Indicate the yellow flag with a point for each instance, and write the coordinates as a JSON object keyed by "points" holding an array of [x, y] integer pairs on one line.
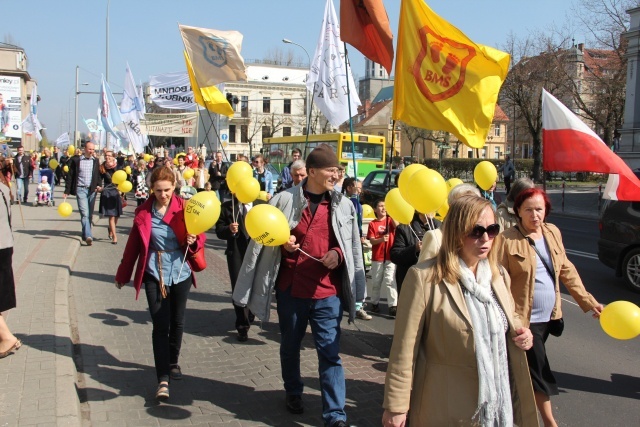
{"points": [[209, 97], [445, 81]]}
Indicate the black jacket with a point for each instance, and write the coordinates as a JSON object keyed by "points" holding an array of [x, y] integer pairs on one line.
{"points": [[218, 182], [236, 243], [403, 252], [71, 183], [26, 166]]}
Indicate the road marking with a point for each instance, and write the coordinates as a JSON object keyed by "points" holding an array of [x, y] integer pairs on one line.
{"points": [[582, 254]]}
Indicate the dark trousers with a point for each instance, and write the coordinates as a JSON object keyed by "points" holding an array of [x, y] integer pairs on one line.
{"points": [[244, 317], [167, 315], [507, 184]]}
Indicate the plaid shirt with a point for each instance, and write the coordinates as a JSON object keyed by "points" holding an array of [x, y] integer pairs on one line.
{"points": [[85, 171]]}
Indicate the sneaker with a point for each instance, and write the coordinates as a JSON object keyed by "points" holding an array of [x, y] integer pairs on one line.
{"points": [[175, 372], [375, 308], [361, 314], [392, 311], [89, 241]]}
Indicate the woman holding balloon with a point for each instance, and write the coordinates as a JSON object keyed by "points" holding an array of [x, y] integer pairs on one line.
{"points": [[158, 241], [533, 254], [110, 200]]}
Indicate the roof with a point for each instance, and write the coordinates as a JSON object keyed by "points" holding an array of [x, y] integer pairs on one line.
{"points": [[499, 115], [375, 109], [385, 94]]}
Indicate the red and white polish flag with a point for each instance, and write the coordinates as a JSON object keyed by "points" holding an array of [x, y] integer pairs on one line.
{"points": [[571, 146]]}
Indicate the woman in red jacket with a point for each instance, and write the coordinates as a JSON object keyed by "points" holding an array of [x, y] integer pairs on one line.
{"points": [[158, 241]]}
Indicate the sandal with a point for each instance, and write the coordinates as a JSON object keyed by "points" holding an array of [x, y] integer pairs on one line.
{"points": [[162, 393], [15, 347]]}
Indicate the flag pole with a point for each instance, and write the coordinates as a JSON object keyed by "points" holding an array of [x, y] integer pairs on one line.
{"points": [[353, 145]]}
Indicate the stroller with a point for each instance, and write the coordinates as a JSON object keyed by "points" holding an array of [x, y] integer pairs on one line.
{"points": [[44, 193]]}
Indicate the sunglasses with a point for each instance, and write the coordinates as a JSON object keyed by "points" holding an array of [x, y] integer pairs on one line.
{"points": [[478, 231]]}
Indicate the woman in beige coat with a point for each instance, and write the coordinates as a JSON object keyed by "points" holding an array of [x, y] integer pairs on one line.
{"points": [[458, 349]]}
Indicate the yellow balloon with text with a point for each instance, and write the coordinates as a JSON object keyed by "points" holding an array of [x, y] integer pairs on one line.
{"points": [[125, 186], [247, 190], [367, 211], [267, 225], [397, 207], [201, 212], [452, 183], [621, 320], [65, 209], [405, 176], [428, 191], [485, 174], [127, 169], [237, 172], [53, 164], [71, 150], [118, 177], [188, 173]]}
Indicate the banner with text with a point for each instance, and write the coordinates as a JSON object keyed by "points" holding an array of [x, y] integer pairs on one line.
{"points": [[10, 108], [181, 125], [172, 90]]}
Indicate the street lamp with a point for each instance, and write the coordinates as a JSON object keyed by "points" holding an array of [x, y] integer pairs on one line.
{"points": [[107, 47], [308, 112], [75, 132]]}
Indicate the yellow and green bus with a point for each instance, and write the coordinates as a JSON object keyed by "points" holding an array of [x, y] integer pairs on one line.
{"points": [[369, 150]]}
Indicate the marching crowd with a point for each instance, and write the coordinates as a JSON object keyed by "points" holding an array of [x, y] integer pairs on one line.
{"points": [[475, 296]]}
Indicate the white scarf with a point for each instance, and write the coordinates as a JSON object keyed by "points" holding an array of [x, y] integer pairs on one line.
{"points": [[494, 393]]}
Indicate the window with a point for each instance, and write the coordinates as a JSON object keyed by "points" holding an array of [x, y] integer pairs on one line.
{"points": [[287, 106], [496, 131], [244, 106], [232, 133], [244, 133], [266, 132], [496, 151], [266, 104], [470, 153], [286, 131]]}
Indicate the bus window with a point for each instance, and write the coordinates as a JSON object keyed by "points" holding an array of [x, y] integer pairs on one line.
{"points": [[363, 151]]}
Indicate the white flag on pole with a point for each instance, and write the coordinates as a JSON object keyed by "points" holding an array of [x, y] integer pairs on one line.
{"points": [[214, 54], [31, 125], [132, 110], [329, 75], [172, 90], [63, 140]]}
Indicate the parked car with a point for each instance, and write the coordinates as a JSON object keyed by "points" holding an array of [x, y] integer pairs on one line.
{"points": [[376, 185], [619, 243]]}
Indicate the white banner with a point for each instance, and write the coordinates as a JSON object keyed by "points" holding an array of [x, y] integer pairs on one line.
{"points": [[172, 90], [10, 108], [182, 125]]}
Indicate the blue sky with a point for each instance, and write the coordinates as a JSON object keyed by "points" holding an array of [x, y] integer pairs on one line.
{"points": [[58, 35]]}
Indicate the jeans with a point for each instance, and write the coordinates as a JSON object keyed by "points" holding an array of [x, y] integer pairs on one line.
{"points": [[86, 203], [23, 189], [324, 315], [383, 275], [167, 315]]}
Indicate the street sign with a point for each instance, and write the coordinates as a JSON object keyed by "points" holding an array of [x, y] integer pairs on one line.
{"points": [[224, 136]]}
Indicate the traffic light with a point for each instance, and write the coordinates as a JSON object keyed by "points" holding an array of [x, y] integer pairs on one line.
{"points": [[230, 98]]}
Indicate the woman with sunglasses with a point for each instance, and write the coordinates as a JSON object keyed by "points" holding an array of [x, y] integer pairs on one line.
{"points": [[534, 256], [457, 356]]}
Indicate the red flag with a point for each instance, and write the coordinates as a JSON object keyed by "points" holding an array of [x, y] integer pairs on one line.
{"points": [[364, 24], [571, 146]]}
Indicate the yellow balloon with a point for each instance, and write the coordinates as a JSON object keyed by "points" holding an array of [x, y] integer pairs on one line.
{"points": [[621, 320], [263, 195], [201, 212], [188, 173], [146, 157], [64, 209], [127, 169], [428, 191], [453, 182], [237, 172], [405, 176], [125, 186], [367, 211], [397, 207], [71, 150], [485, 174], [175, 162], [442, 211], [65, 168], [267, 225], [53, 164], [118, 177], [247, 190]]}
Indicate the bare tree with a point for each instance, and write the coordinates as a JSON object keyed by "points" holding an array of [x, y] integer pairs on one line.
{"points": [[280, 56]]}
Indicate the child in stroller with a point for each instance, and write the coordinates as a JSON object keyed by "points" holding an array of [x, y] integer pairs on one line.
{"points": [[43, 193]]}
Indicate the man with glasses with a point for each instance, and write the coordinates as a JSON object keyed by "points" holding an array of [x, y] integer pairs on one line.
{"points": [[83, 181], [263, 176], [316, 274]]}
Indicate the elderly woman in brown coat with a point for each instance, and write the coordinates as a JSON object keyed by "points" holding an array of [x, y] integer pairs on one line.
{"points": [[533, 254], [458, 349]]}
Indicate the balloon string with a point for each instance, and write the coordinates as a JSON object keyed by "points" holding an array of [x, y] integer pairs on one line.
{"points": [[308, 255], [414, 232]]}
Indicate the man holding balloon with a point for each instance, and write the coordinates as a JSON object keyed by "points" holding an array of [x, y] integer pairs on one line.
{"points": [[311, 254], [83, 181]]}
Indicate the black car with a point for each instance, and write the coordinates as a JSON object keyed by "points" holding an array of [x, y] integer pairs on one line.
{"points": [[376, 185], [619, 243]]}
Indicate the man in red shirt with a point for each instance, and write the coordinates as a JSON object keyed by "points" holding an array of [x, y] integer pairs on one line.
{"points": [[381, 234]]}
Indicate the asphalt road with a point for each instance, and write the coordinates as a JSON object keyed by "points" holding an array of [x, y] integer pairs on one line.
{"points": [[598, 376]]}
